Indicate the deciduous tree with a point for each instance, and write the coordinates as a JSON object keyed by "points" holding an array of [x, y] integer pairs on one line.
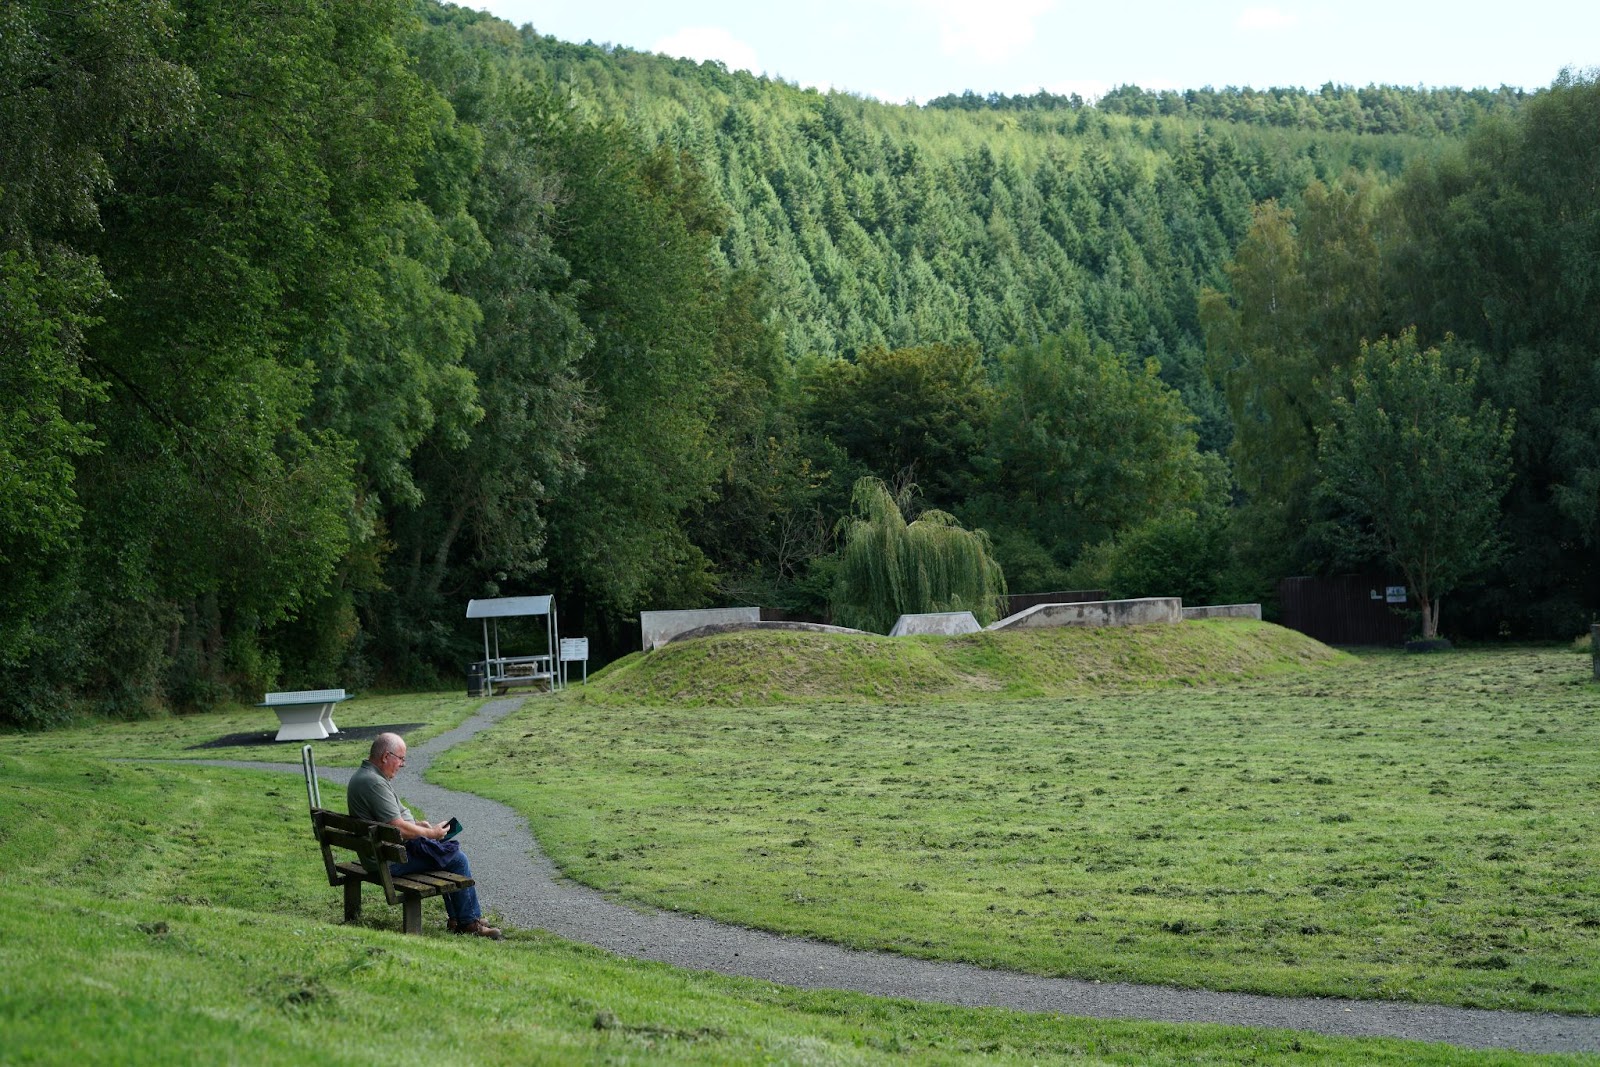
{"points": [[1084, 443], [1418, 465], [889, 567]]}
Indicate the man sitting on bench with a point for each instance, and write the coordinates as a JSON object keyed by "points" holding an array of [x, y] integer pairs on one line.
{"points": [[371, 797]]}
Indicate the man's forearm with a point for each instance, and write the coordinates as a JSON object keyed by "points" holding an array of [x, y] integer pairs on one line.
{"points": [[409, 829]]}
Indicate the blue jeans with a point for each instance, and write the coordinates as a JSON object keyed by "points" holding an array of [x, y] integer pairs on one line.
{"points": [[462, 905]]}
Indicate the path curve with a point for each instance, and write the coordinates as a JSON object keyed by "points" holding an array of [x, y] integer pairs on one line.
{"points": [[519, 883]]}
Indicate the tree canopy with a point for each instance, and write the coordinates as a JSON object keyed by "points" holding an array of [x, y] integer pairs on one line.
{"points": [[1419, 466], [318, 320]]}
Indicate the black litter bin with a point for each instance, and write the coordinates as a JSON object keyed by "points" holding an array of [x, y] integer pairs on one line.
{"points": [[477, 681]]}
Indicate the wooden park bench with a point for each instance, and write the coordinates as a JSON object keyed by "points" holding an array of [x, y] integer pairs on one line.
{"points": [[376, 845]]}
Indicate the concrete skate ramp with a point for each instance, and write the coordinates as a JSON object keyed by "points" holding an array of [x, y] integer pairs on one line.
{"points": [[1140, 612]]}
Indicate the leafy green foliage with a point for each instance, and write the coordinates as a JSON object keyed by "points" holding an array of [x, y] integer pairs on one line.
{"points": [[1500, 250], [896, 227], [1301, 295], [637, 230], [257, 228], [317, 320], [77, 84], [916, 414], [43, 312], [282, 336], [890, 567], [484, 501], [1180, 554], [1420, 468], [1085, 443], [764, 530]]}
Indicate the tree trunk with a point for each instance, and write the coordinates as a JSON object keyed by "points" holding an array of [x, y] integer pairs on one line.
{"points": [[1430, 617], [441, 553]]}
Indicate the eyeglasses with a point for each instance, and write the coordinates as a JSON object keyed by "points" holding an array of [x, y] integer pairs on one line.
{"points": [[397, 756]]}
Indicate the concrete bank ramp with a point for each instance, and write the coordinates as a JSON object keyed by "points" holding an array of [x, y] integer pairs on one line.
{"points": [[1141, 612]]}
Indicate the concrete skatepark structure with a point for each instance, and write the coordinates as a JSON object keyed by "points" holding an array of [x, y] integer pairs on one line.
{"points": [[657, 628], [947, 623], [1224, 611], [1140, 612]]}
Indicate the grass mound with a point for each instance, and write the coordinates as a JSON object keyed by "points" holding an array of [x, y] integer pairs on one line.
{"points": [[761, 667]]}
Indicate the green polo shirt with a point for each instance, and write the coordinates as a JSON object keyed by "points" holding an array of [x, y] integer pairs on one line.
{"points": [[371, 797]]}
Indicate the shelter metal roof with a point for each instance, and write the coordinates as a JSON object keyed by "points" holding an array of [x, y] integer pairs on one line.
{"points": [[508, 607]]}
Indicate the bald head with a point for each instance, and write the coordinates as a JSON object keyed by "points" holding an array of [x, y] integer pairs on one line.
{"points": [[384, 744]]}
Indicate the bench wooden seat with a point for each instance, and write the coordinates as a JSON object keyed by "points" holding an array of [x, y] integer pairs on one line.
{"points": [[377, 845]]}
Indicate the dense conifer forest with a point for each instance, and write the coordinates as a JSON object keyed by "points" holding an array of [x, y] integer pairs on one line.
{"points": [[318, 320]]}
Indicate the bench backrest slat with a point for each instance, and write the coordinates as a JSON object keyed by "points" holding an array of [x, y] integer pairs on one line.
{"points": [[366, 849], [352, 825], [374, 844]]}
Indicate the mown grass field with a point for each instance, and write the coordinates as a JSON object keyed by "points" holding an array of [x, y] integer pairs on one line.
{"points": [[1419, 828], [204, 736], [158, 913], [170, 913]]}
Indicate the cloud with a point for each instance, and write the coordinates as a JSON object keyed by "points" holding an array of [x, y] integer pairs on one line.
{"points": [[701, 43], [992, 31], [1264, 19]]}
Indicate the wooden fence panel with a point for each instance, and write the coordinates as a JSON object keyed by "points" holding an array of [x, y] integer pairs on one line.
{"points": [[1351, 609]]}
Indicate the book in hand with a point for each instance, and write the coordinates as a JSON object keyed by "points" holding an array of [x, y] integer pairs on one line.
{"points": [[454, 826]]}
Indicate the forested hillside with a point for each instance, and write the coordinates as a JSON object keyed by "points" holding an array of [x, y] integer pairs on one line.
{"points": [[1332, 108], [317, 321]]}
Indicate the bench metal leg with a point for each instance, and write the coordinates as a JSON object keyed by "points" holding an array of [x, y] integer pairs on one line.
{"points": [[352, 900], [411, 904]]}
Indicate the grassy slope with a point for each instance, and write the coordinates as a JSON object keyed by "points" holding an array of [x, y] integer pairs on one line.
{"points": [[158, 914], [776, 667], [1390, 826]]}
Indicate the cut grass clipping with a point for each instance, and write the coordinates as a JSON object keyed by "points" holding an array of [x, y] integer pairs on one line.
{"points": [[153, 914], [1383, 826]]}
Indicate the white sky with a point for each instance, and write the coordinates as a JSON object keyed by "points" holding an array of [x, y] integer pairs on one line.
{"points": [[900, 50]]}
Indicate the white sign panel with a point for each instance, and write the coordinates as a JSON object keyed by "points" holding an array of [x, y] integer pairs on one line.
{"points": [[574, 649]]}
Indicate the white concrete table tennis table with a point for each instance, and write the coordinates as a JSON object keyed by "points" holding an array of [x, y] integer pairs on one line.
{"points": [[306, 714]]}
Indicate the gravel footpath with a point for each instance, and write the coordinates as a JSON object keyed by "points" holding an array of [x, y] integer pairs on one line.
{"points": [[520, 885]]}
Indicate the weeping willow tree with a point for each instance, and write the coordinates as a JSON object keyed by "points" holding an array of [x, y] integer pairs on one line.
{"points": [[890, 567]]}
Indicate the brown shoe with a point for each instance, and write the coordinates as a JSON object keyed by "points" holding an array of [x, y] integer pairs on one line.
{"points": [[477, 927]]}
